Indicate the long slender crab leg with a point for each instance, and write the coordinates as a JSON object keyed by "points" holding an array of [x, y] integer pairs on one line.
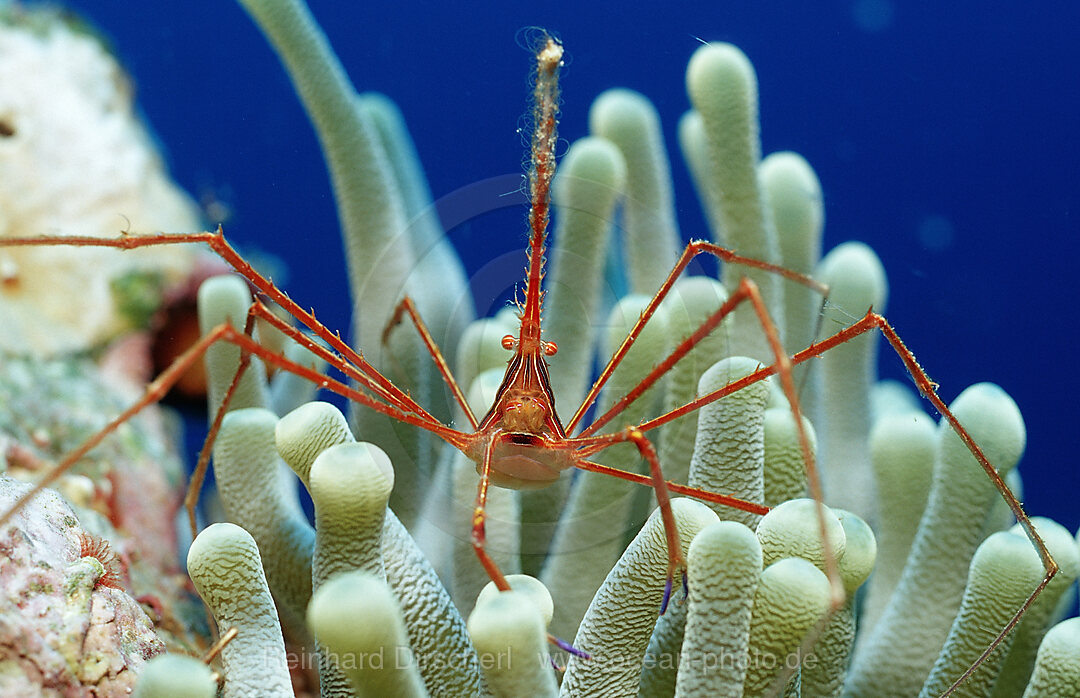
{"points": [[263, 312], [408, 308], [216, 241], [692, 250], [695, 492], [157, 388], [480, 516]]}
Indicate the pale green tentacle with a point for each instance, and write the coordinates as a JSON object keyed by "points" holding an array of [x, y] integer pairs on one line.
{"points": [[730, 443], [435, 627], [724, 566], [902, 450], [356, 617], [617, 626], [791, 597], [509, 631], [350, 484], [304, 433], [1016, 669], [723, 89], [909, 635], [785, 469], [375, 227], [175, 676], [221, 299], [629, 120], [694, 147], [792, 530], [691, 301], [590, 182], [246, 465], [593, 528], [224, 564], [1004, 571], [825, 675], [793, 196], [1057, 667], [857, 283], [447, 306]]}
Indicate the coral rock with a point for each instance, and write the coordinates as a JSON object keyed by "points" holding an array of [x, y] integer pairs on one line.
{"points": [[72, 635]]}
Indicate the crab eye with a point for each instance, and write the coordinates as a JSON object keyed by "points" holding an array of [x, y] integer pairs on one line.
{"points": [[509, 342]]}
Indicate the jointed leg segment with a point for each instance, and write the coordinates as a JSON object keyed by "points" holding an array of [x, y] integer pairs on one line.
{"points": [[928, 389], [408, 307], [480, 516], [216, 241], [692, 250], [746, 291], [155, 390], [676, 562]]}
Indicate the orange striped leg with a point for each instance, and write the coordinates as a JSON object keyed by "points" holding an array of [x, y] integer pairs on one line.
{"points": [[480, 516], [692, 250], [407, 307]]}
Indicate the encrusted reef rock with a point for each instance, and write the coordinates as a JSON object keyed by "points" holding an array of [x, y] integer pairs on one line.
{"points": [[125, 492], [90, 578], [68, 630], [129, 484]]}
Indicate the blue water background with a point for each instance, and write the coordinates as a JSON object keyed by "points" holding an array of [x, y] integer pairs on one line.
{"points": [[944, 135]]}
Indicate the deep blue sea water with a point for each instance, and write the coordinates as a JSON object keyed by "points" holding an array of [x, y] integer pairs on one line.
{"points": [[944, 135]]}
